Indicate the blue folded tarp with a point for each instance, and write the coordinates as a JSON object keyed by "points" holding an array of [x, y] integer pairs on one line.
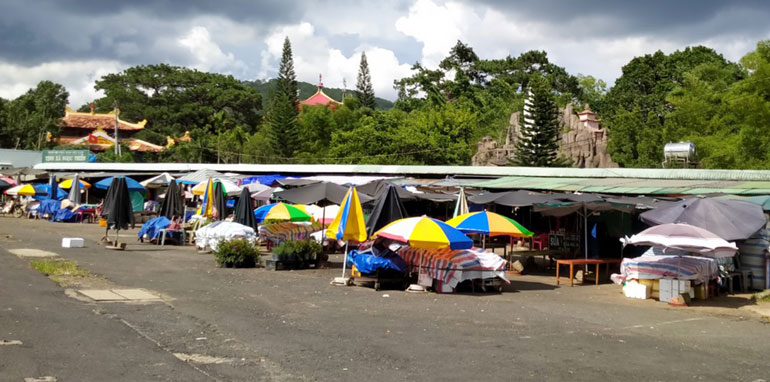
{"points": [[49, 206], [64, 215], [366, 262], [153, 226]]}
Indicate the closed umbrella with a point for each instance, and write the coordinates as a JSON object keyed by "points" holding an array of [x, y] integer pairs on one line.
{"points": [[173, 204], [54, 187], [119, 213], [461, 208], [387, 208], [348, 226], [74, 194], [729, 219], [207, 203], [244, 210], [220, 201]]}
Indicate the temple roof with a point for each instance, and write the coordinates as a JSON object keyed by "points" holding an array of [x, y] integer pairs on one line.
{"points": [[92, 121], [320, 98]]}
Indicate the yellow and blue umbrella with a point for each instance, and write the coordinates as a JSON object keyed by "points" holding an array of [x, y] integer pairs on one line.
{"points": [[488, 223], [281, 211], [207, 205], [22, 189], [425, 232], [349, 223], [68, 183]]}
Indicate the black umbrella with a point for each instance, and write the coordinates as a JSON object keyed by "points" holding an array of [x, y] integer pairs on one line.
{"points": [[244, 210], [388, 208], [220, 201], [729, 219], [173, 204], [118, 210], [378, 187], [319, 193]]}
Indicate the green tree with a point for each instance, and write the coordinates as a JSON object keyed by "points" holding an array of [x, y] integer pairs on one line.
{"points": [[287, 79], [283, 133], [174, 100], [364, 84], [29, 118], [315, 133], [538, 144]]}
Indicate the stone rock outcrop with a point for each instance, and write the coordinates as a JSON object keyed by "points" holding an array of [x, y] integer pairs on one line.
{"points": [[583, 141]]}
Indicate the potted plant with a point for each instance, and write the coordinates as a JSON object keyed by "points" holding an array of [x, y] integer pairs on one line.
{"points": [[237, 253], [298, 253]]}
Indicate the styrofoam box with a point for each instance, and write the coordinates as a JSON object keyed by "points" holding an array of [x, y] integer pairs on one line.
{"points": [[670, 288], [636, 290], [72, 242]]}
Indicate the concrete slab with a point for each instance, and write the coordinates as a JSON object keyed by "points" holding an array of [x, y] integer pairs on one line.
{"points": [[102, 295], [136, 294], [31, 252], [41, 379]]}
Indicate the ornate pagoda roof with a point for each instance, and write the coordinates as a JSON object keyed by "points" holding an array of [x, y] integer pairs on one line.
{"points": [[320, 98], [92, 121]]}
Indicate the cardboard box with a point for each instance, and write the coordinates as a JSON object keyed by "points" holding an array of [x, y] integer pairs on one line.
{"points": [[73, 242]]}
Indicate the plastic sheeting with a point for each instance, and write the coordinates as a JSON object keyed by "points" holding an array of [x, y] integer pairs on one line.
{"points": [[152, 227], [367, 262], [211, 235]]}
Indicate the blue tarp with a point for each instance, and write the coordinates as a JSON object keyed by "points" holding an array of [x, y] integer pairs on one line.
{"points": [[49, 207], [267, 180], [366, 262], [152, 226], [64, 215]]}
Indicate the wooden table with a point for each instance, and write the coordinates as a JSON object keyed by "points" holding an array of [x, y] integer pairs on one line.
{"points": [[573, 262]]}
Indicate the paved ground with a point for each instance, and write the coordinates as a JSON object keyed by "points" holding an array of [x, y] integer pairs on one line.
{"points": [[241, 325]]}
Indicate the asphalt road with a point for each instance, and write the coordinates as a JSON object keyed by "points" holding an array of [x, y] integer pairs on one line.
{"points": [[253, 324]]}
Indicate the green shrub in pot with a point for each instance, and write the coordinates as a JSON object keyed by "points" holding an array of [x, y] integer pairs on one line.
{"points": [[237, 253]]}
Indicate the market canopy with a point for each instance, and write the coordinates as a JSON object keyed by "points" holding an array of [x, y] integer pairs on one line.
{"points": [[202, 175], [157, 181], [729, 219], [378, 187], [387, 208], [230, 188], [683, 237], [318, 193]]}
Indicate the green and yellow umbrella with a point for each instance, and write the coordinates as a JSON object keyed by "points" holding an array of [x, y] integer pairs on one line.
{"points": [[489, 223], [281, 211]]}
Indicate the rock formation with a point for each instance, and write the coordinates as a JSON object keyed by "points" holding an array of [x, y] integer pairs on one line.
{"points": [[583, 141]]}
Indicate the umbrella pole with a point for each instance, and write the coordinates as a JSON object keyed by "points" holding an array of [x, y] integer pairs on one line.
{"points": [[345, 260], [585, 237]]}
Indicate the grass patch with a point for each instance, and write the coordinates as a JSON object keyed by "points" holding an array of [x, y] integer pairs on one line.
{"points": [[61, 271], [764, 299]]}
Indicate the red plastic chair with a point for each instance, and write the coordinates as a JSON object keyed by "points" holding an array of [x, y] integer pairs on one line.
{"points": [[540, 241]]}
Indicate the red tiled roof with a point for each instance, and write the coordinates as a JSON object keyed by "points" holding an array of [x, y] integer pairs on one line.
{"points": [[320, 98], [76, 120]]}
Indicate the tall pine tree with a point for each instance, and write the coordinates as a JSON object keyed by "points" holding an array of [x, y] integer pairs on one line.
{"points": [[538, 144], [364, 84], [283, 129], [287, 79]]}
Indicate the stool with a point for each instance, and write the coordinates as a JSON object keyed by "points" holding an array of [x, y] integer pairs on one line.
{"points": [[163, 233]]}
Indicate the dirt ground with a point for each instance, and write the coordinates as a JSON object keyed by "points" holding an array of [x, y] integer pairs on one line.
{"points": [[253, 324]]}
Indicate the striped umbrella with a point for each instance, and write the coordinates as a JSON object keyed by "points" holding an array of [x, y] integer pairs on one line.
{"points": [[280, 211], [207, 205], [22, 189], [349, 223], [425, 232], [489, 223]]}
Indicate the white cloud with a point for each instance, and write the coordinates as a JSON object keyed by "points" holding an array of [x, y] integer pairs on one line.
{"points": [[207, 53], [77, 76]]}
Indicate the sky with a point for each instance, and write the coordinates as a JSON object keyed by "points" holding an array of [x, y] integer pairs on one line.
{"points": [[75, 42]]}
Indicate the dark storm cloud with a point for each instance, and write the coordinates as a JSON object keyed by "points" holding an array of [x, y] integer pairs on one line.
{"points": [[132, 31], [676, 20]]}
